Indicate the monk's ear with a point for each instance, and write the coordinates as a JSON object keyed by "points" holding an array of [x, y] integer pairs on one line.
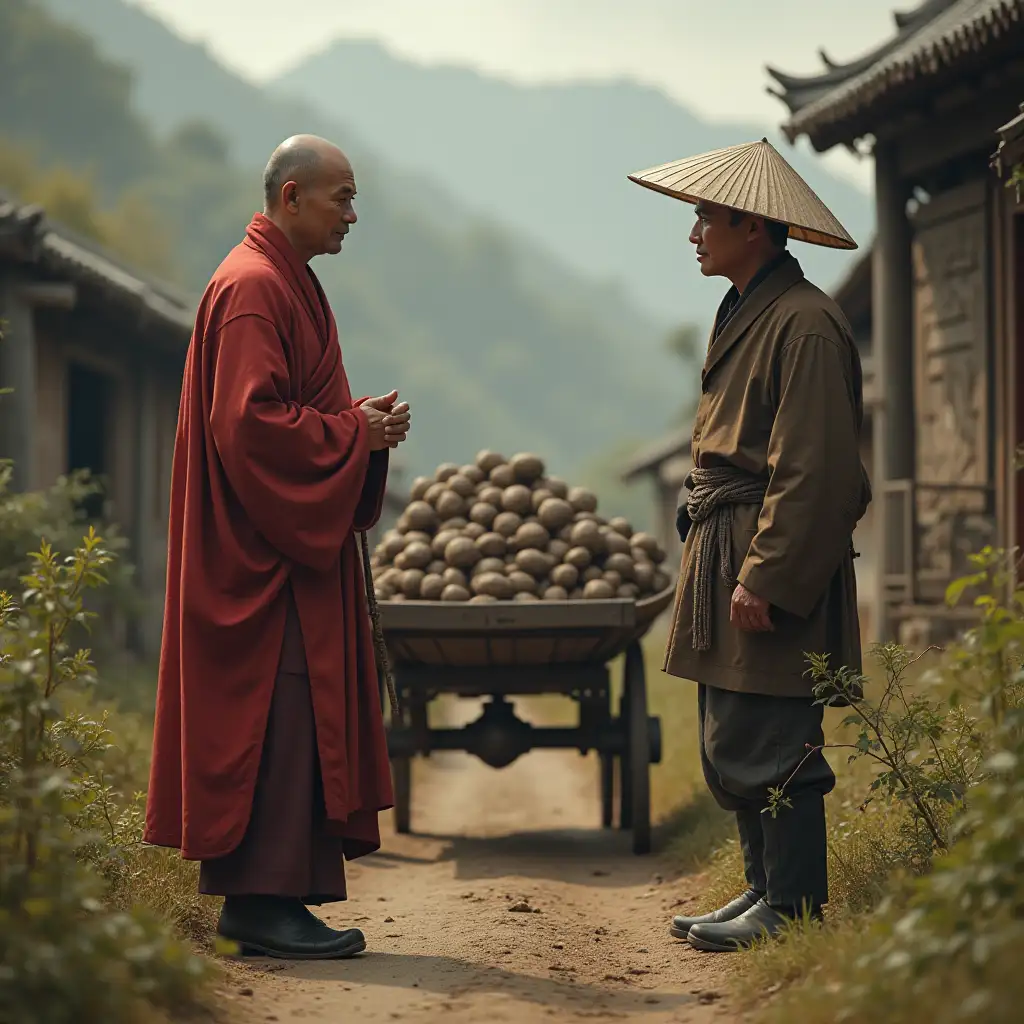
{"points": [[290, 196]]}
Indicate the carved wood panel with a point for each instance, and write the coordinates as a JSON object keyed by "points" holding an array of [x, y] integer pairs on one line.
{"points": [[952, 320]]}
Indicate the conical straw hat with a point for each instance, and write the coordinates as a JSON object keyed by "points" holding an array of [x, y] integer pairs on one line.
{"points": [[755, 178]]}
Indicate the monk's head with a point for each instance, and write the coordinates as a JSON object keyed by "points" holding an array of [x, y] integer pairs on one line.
{"points": [[308, 188], [734, 244]]}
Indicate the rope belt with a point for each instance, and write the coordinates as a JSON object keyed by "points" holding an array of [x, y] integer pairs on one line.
{"points": [[713, 493]]}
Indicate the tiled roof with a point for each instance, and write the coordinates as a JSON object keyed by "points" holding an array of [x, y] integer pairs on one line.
{"points": [[933, 37], [27, 236]]}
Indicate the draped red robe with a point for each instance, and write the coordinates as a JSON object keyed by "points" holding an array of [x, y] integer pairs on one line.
{"points": [[272, 474]]}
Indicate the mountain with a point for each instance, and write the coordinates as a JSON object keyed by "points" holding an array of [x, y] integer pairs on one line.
{"points": [[495, 342], [551, 162]]}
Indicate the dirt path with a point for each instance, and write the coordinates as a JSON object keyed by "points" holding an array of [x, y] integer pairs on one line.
{"points": [[445, 943]]}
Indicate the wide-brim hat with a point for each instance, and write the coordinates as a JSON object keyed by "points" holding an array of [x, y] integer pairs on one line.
{"points": [[753, 178]]}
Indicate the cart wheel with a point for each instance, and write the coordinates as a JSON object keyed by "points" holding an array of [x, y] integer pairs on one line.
{"points": [[401, 780], [607, 789], [637, 764], [624, 773]]}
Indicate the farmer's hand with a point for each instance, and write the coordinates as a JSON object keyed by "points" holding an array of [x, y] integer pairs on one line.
{"points": [[749, 612]]}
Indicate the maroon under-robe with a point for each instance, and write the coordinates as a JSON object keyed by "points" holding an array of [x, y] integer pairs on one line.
{"points": [[288, 848], [270, 480]]}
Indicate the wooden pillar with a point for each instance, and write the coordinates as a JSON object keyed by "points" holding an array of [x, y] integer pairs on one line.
{"points": [[18, 372], [145, 460], [893, 351]]}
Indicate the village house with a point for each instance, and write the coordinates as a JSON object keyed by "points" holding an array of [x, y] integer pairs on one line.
{"points": [[93, 354], [947, 329]]}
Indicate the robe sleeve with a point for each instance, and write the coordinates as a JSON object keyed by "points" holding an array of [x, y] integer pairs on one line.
{"points": [[371, 501], [814, 495], [298, 473]]}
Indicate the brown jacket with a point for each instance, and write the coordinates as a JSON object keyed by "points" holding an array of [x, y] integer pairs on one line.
{"points": [[781, 400]]}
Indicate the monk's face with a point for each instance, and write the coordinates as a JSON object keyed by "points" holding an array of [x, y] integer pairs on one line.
{"points": [[323, 211], [723, 247]]}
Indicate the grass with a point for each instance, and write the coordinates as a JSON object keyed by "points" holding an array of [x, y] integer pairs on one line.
{"points": [[798, 978], [168, 886], [825, 967], [142, 876]]}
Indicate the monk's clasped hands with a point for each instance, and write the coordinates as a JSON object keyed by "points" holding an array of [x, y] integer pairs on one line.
{"points": [[389, 422], [396, 424]]}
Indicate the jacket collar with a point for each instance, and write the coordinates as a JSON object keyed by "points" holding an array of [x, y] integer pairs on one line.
{"points": [[742, 313]]}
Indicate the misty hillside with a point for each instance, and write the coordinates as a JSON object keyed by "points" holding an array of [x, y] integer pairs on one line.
{"points": [[494, 342], [552, 161]]}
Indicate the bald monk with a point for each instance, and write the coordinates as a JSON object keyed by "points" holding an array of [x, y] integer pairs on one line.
{"points": [[269, 757]]}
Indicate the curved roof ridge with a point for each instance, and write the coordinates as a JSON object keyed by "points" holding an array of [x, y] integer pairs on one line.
{"points": [[929, 39]]}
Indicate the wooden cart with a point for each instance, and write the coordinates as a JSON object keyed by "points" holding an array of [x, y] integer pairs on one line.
{"points": [[507, 649]]}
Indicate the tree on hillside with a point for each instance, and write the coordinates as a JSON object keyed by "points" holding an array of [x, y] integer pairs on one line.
{"points": [[130, 228], [61, 96]]}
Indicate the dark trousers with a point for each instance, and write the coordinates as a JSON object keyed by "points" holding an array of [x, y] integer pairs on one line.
{"points": [[750, 743], [287, 849]]}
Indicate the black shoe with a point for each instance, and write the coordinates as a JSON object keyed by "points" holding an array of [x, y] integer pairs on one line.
{"points": [[758, 923], [284, 929], [681, 926]]}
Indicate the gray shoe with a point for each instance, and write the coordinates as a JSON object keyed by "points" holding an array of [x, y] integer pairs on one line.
{"points": [[681, 926], [758, 923]]}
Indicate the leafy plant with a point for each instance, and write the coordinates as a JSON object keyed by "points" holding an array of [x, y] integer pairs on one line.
{"points": [[66, 956], [945, 947], [926, 752]]}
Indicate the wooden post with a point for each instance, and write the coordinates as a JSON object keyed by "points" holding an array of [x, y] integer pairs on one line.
{"points": [[18, 372], [893, 351], [145, 468]]}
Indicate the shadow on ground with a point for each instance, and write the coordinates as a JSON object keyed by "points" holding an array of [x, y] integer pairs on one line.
{"points": [[596, 857], [453, 978]]}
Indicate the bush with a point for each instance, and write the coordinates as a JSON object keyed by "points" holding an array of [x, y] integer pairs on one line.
{"points": [[944, 943], [58, 514], [65, 828]]}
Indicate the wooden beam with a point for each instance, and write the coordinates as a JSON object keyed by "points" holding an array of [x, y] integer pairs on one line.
{"points": [[891, 350], [944, 137], [50, 294]]}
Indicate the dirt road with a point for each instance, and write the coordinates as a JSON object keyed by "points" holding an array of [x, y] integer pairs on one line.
{"points": [[508, 905]]}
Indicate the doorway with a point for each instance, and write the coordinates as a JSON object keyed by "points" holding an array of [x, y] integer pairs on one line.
{"points": [[89, 397]]}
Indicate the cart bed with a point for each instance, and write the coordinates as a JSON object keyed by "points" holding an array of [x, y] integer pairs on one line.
{"points": [[510, 634]]}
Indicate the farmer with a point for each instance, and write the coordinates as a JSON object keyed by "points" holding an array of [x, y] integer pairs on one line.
{"points": [[269, 759], [776, 491]]}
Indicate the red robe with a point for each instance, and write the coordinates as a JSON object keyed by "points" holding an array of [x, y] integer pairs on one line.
{"points": [[272, 473]]}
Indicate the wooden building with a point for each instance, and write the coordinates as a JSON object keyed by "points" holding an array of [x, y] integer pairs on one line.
{"points": [[663, 467], [947, 322], [93, 352]]}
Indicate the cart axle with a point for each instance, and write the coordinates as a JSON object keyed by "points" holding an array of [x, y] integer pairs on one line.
{"points": [[499, 737]]}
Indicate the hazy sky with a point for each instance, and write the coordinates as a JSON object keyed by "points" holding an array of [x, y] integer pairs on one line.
{"points": [[709, 55]]}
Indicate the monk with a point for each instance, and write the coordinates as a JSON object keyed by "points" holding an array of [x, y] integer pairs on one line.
{"points": [[777, 488], [270, 764]]}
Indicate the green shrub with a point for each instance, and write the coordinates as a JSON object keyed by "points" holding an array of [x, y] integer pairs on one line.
{"points": [[945, 944], [64, 827]]}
